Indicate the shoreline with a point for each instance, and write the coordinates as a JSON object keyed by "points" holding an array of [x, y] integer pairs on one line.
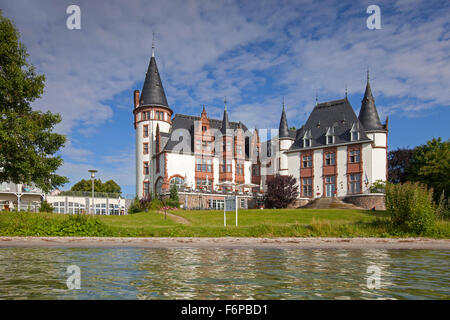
{"points": [[226, 242]]}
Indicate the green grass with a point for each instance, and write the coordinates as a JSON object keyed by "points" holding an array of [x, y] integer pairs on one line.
{"points": [[252, 223]]}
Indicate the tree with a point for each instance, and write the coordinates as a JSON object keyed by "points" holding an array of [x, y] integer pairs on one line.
{"points": [[27, 143], [281, 191], [430, 164], [109, 186], [398, 161], [174, 193]]}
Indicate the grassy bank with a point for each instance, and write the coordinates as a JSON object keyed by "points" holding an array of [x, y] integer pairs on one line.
{"points": [[252, 223]]}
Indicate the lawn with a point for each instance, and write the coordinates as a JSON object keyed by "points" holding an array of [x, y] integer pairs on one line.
{"points": [[252, 223]]}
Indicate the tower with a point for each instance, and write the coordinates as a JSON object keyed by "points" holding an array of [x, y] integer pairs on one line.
{"points": [[377, 132], [151, 111], [284, 143]]}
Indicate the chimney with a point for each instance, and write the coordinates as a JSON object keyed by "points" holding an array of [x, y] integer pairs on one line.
{"points": [[136, 98]]}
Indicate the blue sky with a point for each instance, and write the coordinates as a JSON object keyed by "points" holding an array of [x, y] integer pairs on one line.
{"points": [[252, 52]]}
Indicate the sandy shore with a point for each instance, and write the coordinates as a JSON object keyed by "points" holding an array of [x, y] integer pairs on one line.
{"points": [[227, 242]]}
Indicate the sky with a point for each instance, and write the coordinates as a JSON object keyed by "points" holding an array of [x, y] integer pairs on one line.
{"points": [[254, 53]]}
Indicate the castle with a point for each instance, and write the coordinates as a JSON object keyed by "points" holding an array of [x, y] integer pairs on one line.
{"points": [[334, 154]]}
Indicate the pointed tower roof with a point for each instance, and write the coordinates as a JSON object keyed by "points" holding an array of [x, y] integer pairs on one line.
{"points": [[152, 93], [283, 131], [225, 122], [368, 114]]}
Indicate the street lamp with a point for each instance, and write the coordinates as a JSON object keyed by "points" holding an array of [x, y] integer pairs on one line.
{"points": [[92, 171]]}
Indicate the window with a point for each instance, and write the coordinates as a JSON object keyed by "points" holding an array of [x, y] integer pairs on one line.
{"points": [[204, 165], [354, 132], [330, 159], [255, 170], [306, 143], [329, 136], [307, 187], [330, 139], [203, 128], [216, 204], [177, 181], [145, 131], [243, 203], [146, 168], [146, 188], [239, 149], [146, 148], [354, 156], [204, 184], [239, 169], [228, 144], [225, 165], [355, 183], [307, 161], [158, 186], [330, 179]]}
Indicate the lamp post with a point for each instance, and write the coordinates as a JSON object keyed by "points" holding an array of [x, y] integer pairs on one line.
{"points": [[92, 171]]}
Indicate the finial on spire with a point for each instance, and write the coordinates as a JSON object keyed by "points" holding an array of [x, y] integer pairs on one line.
{"points": [[283, 102], [225, 102], [317, 99], [346, 91], [153, 45], [368, 75]]}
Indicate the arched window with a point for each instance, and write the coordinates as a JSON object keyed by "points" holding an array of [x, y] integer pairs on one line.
{"points": [[179, 182], [158, 186]]}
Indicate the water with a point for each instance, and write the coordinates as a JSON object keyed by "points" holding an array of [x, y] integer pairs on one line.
{"points": [[125, 273]]}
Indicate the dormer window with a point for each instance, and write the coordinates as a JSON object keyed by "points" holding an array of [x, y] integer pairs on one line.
{"points": [[354, 132], [307, 139], [329, 136]]}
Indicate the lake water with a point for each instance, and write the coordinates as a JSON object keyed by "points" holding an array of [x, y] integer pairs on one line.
{"points": [[130, 273]]}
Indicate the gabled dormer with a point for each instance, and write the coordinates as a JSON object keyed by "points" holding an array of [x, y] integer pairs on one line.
{"points": [[355, 132], [307, 139], [329, 135]]}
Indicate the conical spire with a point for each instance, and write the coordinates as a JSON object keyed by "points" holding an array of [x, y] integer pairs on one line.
{"points": [[153, 92], [368, 114], [225, 122], [283, 131]]}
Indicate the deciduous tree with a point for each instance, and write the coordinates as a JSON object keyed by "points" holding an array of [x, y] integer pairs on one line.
{"points": [[281, 191], [27, 143]]}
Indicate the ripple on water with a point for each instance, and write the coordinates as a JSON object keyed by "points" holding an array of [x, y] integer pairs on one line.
{"points": [[130, 273]]}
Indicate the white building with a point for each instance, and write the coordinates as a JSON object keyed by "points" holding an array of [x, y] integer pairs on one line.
{"points": [[335, 153]]}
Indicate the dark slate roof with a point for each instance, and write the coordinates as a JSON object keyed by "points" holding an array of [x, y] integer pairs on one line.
{"points": [[337, 113], [283, 131], [152, 93], [368, 114], [181, 121], [225, 123]]}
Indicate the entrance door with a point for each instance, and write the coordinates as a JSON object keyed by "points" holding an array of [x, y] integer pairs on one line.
{"points": [[330, 186]]}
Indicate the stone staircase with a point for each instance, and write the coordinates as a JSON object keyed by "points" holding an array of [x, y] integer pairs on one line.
{"points": [[330, 203]]}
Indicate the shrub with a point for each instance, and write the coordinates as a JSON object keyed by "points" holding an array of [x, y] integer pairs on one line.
{"points": [[45, 207], [443, 208], [378, 186], [135, 206], [410, 206], [172, 203]]}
